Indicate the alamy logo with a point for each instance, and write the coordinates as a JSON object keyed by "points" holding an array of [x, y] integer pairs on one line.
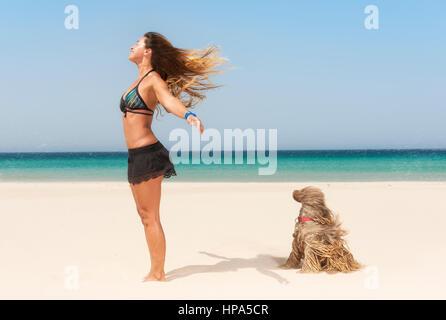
{"points": [[71, 277], [371, 281], [255, 147], [371, 22], [72, 20]]}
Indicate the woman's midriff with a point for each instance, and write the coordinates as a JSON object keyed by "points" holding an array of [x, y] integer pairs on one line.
{"points": [[137, 130]]}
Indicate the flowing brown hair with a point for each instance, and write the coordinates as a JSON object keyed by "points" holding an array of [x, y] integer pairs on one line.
{"points": [[186, 71]]}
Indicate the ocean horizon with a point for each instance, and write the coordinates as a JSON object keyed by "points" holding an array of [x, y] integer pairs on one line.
{"points": [[291, 165]]}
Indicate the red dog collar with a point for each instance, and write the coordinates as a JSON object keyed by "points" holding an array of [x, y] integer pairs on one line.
{"points": [[305, 219]]}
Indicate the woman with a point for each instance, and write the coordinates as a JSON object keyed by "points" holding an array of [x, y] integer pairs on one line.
{"points": [[165, 72]]}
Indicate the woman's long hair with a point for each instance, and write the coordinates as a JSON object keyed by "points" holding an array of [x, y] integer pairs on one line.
{"points": [[186, 71]]}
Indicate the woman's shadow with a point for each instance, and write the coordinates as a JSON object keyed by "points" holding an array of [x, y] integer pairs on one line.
{"points": [[262, 263]]}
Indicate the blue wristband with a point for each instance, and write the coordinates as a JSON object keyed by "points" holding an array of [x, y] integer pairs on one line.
{"points": [[189, 113]]}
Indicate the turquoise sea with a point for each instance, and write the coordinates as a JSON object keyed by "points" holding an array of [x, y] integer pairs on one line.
{"points": [[312, 165]]}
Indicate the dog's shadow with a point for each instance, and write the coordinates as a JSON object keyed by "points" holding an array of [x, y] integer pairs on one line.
{"points": [[263, 263]]}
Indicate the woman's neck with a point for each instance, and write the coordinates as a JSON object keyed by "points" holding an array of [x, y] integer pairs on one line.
{"points": [[144, 67]]}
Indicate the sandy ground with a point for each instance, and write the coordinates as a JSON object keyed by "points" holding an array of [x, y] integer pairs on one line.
{"points": [[84, 240]]}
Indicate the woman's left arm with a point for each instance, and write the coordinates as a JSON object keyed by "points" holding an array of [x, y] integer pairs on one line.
{"points": [[173, 104]]}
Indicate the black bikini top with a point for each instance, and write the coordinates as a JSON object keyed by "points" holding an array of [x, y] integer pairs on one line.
{"points": [[133, 101]]}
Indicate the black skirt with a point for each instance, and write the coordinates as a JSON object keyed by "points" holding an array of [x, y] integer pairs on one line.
{"points": [[149, 162]]}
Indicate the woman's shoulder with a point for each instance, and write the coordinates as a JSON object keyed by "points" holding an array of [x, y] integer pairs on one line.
{"points": [[154, 81], [153, 78]]}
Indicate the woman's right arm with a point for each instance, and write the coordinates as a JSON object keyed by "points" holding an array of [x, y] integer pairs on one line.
{"points": [[173, 104]]}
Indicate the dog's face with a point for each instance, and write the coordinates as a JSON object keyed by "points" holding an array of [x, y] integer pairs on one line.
{"points": [[314, 199], [309, 195]]}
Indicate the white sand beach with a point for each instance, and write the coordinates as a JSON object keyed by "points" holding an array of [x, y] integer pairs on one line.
{"points": [[224, 241]]}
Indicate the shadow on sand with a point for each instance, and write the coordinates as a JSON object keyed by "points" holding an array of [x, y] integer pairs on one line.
{"points": [[265, 264]]}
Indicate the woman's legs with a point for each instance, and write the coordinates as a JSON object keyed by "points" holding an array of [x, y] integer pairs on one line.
{"points": [[147, 195]]}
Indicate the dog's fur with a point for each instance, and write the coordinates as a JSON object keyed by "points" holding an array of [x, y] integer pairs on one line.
{"points": [[318, 244]]}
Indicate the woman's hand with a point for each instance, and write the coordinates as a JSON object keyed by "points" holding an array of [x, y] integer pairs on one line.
{"points": [[195, 122]]}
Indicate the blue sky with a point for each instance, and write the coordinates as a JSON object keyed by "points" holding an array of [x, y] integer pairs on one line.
{"points": [[309, 69]]}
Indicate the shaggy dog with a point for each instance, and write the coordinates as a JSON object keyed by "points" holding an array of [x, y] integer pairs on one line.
{"points": [[318, 244]]}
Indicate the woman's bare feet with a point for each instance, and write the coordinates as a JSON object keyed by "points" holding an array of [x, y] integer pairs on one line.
{"points": [[151, 276]]}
